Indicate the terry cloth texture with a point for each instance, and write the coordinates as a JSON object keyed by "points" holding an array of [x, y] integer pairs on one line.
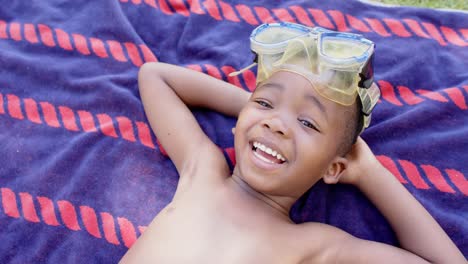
{"points": [[81, 173]]}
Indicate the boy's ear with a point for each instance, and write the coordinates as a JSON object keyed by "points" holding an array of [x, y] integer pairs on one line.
{"points": [[335, 170], [233, 130]]}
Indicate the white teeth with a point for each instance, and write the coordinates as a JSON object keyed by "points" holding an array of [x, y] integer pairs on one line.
{"points": [[269, 151], [263, 158]]}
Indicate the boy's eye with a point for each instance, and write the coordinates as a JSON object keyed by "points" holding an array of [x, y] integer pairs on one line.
{"points": [[307, 124], [263, 103]]}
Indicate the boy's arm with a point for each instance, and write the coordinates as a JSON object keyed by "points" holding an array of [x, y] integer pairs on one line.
{"points": [[167, 91], [415, 228]]}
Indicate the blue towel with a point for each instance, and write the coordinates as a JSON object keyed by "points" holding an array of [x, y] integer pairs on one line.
{"points": [[82, 174]]}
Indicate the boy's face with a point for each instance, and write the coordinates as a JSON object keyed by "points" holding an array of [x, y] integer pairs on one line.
{"points": [[286, 116]]}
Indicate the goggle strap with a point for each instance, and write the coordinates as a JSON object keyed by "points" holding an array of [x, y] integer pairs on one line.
{"points": [[367, 73], [241, 70]]}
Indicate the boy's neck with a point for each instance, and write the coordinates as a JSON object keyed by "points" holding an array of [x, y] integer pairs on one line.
{"points": [[279, 207]]}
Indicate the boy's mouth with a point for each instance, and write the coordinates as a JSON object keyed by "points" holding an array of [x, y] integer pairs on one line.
{"points": [[267, 154]]}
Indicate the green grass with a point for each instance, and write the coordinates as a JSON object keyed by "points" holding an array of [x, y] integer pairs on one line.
{"points": [[453, 4]]}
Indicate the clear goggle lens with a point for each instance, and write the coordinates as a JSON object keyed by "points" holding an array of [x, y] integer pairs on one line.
{"points": [[337, 64]]}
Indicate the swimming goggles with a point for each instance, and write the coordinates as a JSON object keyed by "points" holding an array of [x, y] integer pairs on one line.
{"points": [[338, 65]]}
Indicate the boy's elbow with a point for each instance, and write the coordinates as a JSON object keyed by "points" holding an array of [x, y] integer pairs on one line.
{"points": [[147, 74], [148, 69]]}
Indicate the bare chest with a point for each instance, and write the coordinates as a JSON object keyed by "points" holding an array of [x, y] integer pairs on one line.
{"points": [[218, 228]]}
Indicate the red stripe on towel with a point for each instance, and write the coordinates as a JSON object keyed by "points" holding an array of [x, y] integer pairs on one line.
{"points": [[231, 155], [46, 35], [147, 53], [413, 175], [246, 13], [50, 115], [9, 203], [408, 96], [302, 15], [231, 79], [151, 3], [161, 149], [195, 7], [133, 53], [388, 93], [264, 14], [14, 108], [106, 125], [127, 231], [70, 218], [210, 6], [452, 36], [339, 20], [109, 228], [179, 7], [68, 215], [249, 78], [126, 128], [3, 31], [357, 24], [80, 44], [144, 134], [116, 50], [213, 71], [68, 118], [2, 108], [15, 31], [283, 15], [463, 31], [228, 12], [432, 30], [63, 39], [435, 176], [29, 211], [30, 33], [457, 97], [32, 112], [98, 47], [48, 211], [391, 166], [321, 19], [87, 121], [416, 28], [436, 96], [458, 180], [88, 215], [377, 27], [164, 7], [397, 27]]}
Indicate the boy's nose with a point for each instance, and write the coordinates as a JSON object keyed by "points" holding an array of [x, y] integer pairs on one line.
{"points": [[277, 126]]}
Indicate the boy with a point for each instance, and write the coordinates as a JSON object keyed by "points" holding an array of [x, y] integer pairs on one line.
{"points": [[296, 128]]}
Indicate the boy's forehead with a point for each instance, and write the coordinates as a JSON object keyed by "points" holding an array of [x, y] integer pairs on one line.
{"points": [[282, 80]]}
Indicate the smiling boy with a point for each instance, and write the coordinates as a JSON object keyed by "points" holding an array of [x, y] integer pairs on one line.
{"points": [[291, 132]]}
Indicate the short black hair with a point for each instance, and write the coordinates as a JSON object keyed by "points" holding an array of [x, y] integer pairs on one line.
{"points": [[354, 123]]}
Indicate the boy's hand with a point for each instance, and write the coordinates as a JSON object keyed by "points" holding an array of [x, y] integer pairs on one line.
{"points": [[361, 161]]}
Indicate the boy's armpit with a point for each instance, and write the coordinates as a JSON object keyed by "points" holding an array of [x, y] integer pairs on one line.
{"points": [[175, 126], [328, 244]]}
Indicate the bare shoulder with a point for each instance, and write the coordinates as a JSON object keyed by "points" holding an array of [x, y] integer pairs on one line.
{"points": [[317, 242], [327, 244]]}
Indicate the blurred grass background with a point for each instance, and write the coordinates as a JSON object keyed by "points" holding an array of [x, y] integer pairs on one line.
{"points": [[453, 4]]}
